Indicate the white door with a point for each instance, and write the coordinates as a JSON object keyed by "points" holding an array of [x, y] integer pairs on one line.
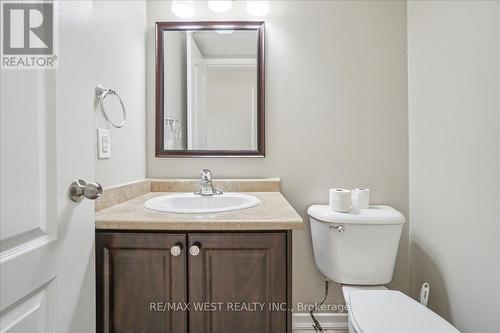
{"points": [[47, 241], [196, 99]]}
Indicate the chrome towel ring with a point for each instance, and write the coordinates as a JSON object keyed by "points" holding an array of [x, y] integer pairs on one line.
{"points": [[101, 93]]}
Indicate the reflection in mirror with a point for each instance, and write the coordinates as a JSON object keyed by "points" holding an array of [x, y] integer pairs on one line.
{"points": [[211, 82]]}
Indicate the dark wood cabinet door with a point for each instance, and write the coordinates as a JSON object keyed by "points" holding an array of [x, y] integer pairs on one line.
{"points": [[136, 276], [235, 269]]}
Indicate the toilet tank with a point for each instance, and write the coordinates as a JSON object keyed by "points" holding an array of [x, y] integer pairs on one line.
{"points": [[358, 247]]}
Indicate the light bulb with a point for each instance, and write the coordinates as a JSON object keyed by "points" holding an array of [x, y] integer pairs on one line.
{"points": [[257, 7], [183, 8], [220, 6]]}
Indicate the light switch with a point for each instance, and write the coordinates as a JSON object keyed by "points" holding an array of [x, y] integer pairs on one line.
{"points": [[103, 143]]}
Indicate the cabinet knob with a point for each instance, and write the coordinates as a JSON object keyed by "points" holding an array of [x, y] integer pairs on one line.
{"points": [[194, 250], [176, 250]]}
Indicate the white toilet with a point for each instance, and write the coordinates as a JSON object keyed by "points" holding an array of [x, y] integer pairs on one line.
{"points": [[358, 249]]}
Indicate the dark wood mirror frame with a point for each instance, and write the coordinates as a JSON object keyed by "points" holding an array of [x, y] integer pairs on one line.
{"points": [[159, 68]]}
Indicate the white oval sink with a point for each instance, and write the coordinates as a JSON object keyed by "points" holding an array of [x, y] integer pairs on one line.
{"points": [[189, 203]]}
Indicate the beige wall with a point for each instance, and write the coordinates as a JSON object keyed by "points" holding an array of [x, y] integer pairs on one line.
{"points": [[119, 48], [454, 112], [336, 112]]}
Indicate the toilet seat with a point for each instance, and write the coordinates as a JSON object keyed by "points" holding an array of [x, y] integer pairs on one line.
{"points": [[389, 311]]}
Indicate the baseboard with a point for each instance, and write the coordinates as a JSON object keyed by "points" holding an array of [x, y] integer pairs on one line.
{"points": [[332, 321]]}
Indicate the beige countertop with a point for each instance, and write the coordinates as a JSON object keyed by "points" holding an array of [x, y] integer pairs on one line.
{"points": [[273, 213]]}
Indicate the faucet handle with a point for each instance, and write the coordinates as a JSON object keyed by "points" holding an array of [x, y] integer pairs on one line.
{"points": [[207, 187], [206, 174]]}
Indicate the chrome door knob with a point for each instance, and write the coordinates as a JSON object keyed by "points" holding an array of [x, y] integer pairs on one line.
{"points": [[79, 189], [194, 250], [176, 250]]}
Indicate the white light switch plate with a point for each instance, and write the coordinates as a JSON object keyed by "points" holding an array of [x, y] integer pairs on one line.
{"points": [[103, 143]]}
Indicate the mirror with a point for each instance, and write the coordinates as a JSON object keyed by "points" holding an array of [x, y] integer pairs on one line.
{"points": [[209, 89]]}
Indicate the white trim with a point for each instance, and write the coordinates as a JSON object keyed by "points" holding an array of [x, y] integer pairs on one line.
{"points": [[253, 134], [333, 321], [189, 98], [231, 62]]}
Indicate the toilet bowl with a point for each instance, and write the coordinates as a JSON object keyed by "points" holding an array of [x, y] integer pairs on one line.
{"points": [[358, 250]]}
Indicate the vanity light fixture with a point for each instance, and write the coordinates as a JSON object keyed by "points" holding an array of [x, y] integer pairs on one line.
{"points": [[186, 8], [183, 8], [257, 7], [220, 6]]}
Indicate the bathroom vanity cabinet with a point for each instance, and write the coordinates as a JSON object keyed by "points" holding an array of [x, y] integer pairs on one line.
{"points": [[237, 281], [232, 269]]}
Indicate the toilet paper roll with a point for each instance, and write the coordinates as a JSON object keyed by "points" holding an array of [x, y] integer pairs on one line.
{"points": [[360, 198], [340, 200]]}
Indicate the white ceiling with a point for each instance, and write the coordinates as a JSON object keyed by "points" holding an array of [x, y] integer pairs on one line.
{"points": [[239, 44]]}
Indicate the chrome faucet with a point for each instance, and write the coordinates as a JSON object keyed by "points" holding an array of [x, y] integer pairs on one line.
{"points": [[206, 186]]}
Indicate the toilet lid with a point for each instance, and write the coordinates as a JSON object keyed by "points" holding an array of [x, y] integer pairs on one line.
{"points": [[389, 311], [375, 214]]}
